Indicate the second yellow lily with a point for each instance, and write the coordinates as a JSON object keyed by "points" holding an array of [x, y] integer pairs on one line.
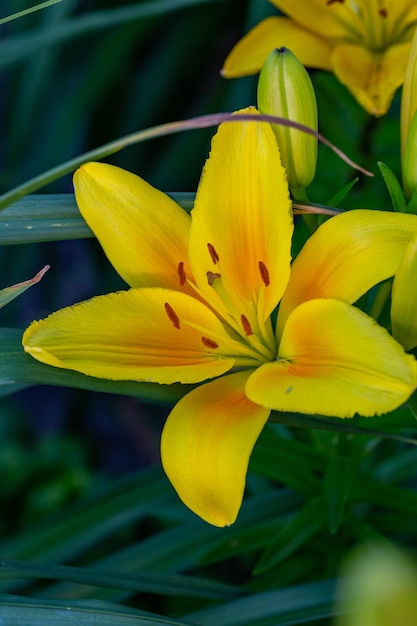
{"points": [[365, 43]]}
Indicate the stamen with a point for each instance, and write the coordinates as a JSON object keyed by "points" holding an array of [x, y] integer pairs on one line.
{"points": [[263, 270], [211, 277], [213, 253], [329, 2], [209, 343], [246, 326], [173, 317], [383, 12], [181, 273]]}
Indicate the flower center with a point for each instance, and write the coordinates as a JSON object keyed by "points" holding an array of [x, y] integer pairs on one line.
{"points": [[245, 326], [249, 338], [368, 22]]}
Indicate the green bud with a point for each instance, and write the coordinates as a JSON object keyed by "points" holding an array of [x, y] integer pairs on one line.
{"points": [[408, 108], [378, 588], [410, 157], [285, 90]]}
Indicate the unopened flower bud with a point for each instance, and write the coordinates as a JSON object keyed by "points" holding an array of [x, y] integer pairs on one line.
{"points": [[410, 157], [378, 588], [408, 122], [285, 90]]}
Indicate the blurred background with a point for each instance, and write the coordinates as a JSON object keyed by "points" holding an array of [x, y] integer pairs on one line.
{"points": [[73, 77]]}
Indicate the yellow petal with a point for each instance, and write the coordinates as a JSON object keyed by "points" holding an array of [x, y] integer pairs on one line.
{"points": [[335, 361], [404, 299], [371, 77], [346, 256], [206, 444], [331, 20], [249, 54], [242, 222], [143, 232], [152, 335]]}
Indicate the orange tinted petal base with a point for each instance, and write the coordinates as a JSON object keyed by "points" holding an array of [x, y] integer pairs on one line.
{"points": [[206, 444]]}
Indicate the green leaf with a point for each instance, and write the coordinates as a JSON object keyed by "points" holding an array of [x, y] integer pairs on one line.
{"points": [[145, 582], [10, 293], [293, 535], [256, 525], [293, 605], [53, 217], [18, 368], [80, 526], [298, 420], [37, 7], [17, 48], [394, 188], [388, 496], [19, 610], [338, 197], [337, 485], [284, 461]]}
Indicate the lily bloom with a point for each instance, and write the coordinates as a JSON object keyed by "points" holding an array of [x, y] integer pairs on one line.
{"points": [[365, 43], [200, 310]]}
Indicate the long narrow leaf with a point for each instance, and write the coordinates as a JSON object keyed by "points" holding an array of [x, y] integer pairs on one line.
{"points": [[146, 582], [53, 217], [37, 7], [27, 612], [17, 48], [272, 607], [299, 420]]}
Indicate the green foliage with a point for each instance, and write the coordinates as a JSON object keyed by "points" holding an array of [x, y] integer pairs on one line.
{"points": [[78, 542]]}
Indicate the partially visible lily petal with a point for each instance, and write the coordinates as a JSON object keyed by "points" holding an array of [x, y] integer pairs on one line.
{"points": [[206, 444], [346, 256], [334, 360], [242, 222], [128, 216], [327, 19], [372, 77], [249, 54], [152, 335], [404, 299]]}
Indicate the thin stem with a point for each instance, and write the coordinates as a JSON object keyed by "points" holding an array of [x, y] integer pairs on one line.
{"points": [[203, 121]]}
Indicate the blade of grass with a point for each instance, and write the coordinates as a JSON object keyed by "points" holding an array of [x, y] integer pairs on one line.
{"points": [[272, 607], [19, 610], [54, 217], [36, 7], [146, 582]]}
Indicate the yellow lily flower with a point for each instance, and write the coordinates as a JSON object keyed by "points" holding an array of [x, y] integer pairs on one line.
{"points": [[203, 289], [365, 43]]}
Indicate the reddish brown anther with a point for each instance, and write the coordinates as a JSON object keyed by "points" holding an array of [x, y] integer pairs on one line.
{"points": [[211, 277], [383, 12], [246, 326], [213, 253], [173, 317], [209, 343], [329, 2], [263, 270], [181, 273]]}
